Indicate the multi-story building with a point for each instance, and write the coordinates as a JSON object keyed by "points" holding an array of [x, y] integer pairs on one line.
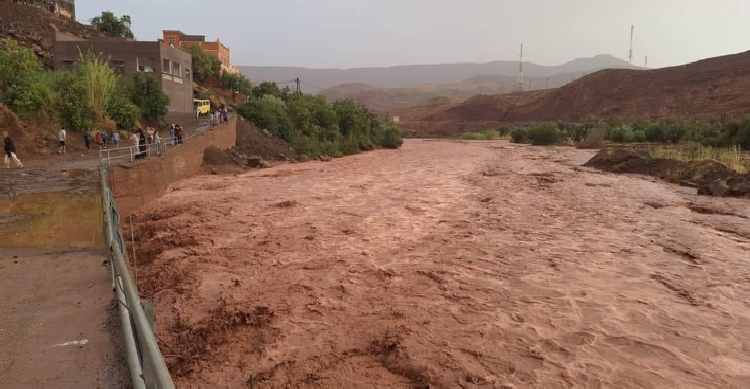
{"points": [[67, 8], [170, 66], [178, 39]]}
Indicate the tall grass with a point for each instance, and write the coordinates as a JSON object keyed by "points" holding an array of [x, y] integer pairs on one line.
{"points": [[733, 157], [99, 81]]}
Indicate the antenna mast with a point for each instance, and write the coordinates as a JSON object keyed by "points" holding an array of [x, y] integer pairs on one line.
{"points": [[630, 57], [646, 64], [519, 86]]}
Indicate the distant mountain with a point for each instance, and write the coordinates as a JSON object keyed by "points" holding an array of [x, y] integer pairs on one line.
{"points": [[315, 80], [389, 99]]}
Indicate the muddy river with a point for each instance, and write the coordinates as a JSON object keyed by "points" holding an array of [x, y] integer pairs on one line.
{"points": [[448, 264]]}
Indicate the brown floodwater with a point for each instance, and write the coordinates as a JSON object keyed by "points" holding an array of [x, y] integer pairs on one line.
{"points": [[446, 264]]}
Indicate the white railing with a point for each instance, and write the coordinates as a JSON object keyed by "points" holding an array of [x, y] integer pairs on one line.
{"points": [[128, 155]]}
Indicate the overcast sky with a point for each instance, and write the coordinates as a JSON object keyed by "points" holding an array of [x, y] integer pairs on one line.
{"points": [[362, 33]]}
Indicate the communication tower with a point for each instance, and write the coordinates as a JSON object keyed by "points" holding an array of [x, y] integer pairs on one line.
{"points": [[519, 85], [630, 56]]}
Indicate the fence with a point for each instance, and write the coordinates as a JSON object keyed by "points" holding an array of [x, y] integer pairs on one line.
{"points": [[145, 362], [128, 155]]}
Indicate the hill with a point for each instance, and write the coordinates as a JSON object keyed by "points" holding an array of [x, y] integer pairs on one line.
{"points": [[710, 88], [406, 76], [35, 28]]}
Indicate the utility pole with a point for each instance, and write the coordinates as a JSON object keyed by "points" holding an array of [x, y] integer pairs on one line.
{"points": [[630, 56], [520, 85], [645, 65], [299, 88]]}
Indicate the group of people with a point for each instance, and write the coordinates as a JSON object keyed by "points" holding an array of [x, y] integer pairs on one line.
{"points": [[102, 139], [220, 115]]}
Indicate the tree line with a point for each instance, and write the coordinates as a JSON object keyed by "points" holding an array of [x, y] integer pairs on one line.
{"points": [[313, 126]]}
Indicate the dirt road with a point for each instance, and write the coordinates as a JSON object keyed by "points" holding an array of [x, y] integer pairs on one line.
{"points": [[450, 264]]}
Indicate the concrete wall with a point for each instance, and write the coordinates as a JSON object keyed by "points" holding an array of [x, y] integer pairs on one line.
{"points": [[129, 57], [135, 187]]}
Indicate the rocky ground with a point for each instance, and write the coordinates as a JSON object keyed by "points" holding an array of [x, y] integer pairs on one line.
{"points": [[448, 264]]}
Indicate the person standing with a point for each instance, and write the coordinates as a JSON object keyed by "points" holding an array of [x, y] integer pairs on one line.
{"points": [[87, 139], [143, 145], [10, 151], [105, 138], [62, 136], [98, 139], [172, 138], [116, 138], [157, 141]]}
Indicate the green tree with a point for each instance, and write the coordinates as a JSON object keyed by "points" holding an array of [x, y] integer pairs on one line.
{"points": [[269, 113], [204, 65], [108, 23], [121, 109], [21, 87], [146, 94], [267, 88], [71, 102]]}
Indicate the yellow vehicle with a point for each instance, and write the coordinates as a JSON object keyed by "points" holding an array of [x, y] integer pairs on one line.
{"points": [[202, 107]]}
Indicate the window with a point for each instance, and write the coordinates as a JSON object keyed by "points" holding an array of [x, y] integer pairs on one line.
{"points": [[171, 41], [176, 69], [118, 65], [68, 64], [166, 66]]}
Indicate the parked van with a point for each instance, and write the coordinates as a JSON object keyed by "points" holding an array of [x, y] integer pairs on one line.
{"points": [[203, 107]]}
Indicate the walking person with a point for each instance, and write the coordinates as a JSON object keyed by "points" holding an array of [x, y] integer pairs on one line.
{"points": [[87, 139], [98, 138], [225, 112], [10, 151], [62, 136], [105, 138], [116, 138]]}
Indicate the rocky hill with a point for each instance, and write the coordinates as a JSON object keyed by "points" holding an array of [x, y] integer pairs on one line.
{"points": [[35, 28], [710, 88]]}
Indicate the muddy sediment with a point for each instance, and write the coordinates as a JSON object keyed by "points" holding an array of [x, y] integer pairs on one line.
{"points": [[448, 264], [710, 177]]}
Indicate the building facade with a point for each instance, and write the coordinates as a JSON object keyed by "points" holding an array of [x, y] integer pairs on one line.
{"points": [[171, 67], [178, 39]]}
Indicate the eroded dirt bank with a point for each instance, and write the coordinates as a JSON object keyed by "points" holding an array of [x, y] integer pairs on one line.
{"points": [[449, 264]]}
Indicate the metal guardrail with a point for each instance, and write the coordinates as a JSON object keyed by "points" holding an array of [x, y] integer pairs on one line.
{"points": [[145, 362], [129, 154]]}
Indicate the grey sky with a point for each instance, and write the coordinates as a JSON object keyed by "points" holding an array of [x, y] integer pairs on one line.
{"points": [[361, 33]]}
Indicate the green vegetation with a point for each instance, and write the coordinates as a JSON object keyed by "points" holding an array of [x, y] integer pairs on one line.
{"points": [[204, 65], [90, 96], [146, 94], [108, 23], [237, 83], [733, 156], [314, 127], [495, 134], [717, 133], [21, 87]]}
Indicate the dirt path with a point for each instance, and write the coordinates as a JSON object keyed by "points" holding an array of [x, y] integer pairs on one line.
{"points": [[449, 264]]}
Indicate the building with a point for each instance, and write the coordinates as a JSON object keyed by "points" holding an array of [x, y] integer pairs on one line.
{"points": [[178, 39], [67, 8], [171, 67]]}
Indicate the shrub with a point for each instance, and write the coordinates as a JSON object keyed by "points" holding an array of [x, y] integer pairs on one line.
{"points": [[350, 146], [21, 87], [122, 111], [503, 131], [147, 95], [594, 140], [622, 134], [391, 137], [654, 132], [518, 135], [639, 136], [545, 134], [674, 131]]}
